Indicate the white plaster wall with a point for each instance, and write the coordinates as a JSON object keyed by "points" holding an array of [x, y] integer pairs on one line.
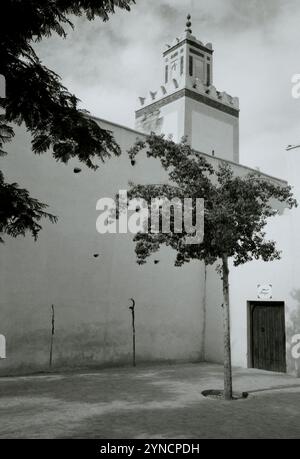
{"points": [[173, 117], [93, 322], [292, 160], [204, 137], [168, 120], [170, 124], [284, 276], [210, 129]]}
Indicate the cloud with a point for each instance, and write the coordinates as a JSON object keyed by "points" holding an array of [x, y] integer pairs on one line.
{"points": [[108, 65]]}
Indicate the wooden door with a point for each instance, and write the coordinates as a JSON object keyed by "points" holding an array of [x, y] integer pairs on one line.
{"points": [[268, 343]]}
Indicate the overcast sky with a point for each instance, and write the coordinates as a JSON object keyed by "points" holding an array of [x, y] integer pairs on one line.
{"points": [[257, 50]]}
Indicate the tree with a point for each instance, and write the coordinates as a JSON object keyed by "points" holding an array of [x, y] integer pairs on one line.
{"points": [[36, 97], [236, 213], [19, 212]]}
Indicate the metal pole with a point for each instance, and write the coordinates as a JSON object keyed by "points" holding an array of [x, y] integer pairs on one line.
{"points": [[133, 330], [292, 147], [52, 336]]}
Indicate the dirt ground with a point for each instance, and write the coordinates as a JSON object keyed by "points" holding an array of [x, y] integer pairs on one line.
{"points": [[156, 402]]}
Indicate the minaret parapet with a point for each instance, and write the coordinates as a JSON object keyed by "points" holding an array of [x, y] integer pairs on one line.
{"points": [[188, 64], [193, 85], [187, 103]]}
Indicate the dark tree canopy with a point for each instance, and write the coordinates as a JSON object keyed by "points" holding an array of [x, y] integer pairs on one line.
{"points": [[19, 212], [34, 93]]}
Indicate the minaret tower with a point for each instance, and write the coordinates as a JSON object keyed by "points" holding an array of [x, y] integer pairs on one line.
{"points": [[187, 104]]}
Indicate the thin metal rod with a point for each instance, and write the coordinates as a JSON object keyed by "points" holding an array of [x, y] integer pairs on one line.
{"points": [[133, 331], [291, 147], [52, 336]]}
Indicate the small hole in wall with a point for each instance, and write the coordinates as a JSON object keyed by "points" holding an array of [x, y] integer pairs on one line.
{"points": [[77, 170], [133, 162]]}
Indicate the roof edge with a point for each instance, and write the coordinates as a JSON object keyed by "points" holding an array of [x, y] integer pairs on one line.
{"points": [[142, 134]]}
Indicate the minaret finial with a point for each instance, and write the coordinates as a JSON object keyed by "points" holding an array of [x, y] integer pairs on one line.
{"points": [[188, 24]]}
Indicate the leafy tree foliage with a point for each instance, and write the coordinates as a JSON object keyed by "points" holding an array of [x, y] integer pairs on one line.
{"points": [[237, 209], [19, 212], [34, 93]]}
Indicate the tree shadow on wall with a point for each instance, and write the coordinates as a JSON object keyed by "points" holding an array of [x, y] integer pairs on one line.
{"points": [[292, 329]]}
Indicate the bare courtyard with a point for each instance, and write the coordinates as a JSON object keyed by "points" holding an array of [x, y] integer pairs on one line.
{"points": [[159, 402]]}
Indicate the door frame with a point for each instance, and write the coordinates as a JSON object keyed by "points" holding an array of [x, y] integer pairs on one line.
{"points": [[250, 307]]}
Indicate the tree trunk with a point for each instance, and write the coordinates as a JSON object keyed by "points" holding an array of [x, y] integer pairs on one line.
{"points": [[226, 321]]}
